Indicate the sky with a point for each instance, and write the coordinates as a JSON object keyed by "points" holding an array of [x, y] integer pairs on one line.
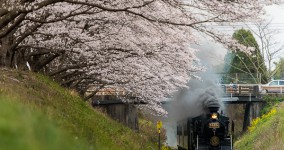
{"points": [[215, 52], [276, 14]]}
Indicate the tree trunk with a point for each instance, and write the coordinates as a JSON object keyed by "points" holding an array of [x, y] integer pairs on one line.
{"points": [[6, 52]]}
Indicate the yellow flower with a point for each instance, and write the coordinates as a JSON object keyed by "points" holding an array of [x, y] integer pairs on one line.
{"points": [[257, 120]]}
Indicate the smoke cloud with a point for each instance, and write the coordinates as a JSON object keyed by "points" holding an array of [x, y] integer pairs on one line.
{"points": [[191, 102], [194, 101]]}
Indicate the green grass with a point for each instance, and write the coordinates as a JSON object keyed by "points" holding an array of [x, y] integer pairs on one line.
{"points": [[267, 135], [24, 129], [54, 118]]}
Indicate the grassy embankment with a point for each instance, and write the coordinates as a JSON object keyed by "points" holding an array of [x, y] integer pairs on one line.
{"points": [[267, 131], [36, 113]]}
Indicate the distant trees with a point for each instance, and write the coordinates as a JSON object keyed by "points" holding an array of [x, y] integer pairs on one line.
{"points": [[139, 45], [269, 47], [279, 69], [243, 63]]}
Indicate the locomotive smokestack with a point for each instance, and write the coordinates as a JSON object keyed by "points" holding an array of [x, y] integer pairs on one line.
{"points": [[210, 102], [213, 108]]}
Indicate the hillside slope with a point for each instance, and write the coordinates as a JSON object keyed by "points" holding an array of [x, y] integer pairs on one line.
{"points": [[36, 113], [267, 134]]}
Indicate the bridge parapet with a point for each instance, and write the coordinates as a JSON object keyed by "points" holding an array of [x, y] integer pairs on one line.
{"points": [[237, 90]]}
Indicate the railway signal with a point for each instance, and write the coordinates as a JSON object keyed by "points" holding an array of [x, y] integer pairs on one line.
{"points": [[159, 126]]}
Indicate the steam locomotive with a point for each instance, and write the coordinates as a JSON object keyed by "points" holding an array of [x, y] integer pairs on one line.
{"points": [[209, 131]]}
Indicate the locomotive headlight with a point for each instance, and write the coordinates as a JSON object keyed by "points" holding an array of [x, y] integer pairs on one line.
{"points": [[214, 116]]}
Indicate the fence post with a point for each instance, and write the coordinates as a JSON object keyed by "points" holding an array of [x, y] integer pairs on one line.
{"points": [[236, 78], [260, 78]]}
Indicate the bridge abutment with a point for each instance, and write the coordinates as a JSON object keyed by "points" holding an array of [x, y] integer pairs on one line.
{"points": [[243, 113]]}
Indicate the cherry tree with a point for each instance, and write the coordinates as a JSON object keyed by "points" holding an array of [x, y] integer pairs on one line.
{"points": [[142, 46]]}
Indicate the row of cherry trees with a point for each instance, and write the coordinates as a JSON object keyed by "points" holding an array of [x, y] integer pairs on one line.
{"points": [[142, 46]]}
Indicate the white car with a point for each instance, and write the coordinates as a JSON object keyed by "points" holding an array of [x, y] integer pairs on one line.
{"points": [[274, 86]]}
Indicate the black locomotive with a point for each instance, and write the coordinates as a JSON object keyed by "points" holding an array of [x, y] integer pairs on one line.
{"points": [[209, 131]]}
